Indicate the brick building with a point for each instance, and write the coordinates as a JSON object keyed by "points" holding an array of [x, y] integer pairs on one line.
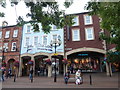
{"points": [[83, 47], [10, 41]]}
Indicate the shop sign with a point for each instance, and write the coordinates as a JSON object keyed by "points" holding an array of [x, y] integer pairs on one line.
{"points": [[82, 54], [43, 47]]}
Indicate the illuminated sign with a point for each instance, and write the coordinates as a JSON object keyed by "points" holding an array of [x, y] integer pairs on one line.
{"points": [[82, 54]]}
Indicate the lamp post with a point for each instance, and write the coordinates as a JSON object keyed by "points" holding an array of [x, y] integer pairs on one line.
{"points": [[3, 53], [55, 43]]}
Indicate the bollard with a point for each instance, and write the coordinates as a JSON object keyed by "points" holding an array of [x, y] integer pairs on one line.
{"points": [[90, 80]]}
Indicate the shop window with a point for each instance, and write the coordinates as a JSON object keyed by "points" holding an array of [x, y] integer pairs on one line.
{"points": [[85, 64], [7, 34], [76, 35]]}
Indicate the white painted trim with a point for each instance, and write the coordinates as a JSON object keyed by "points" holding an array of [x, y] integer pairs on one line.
{"points": [[86, 49]]}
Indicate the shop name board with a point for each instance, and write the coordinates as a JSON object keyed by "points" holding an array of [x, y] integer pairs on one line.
{"points": [[82, 54], [44, 47]]}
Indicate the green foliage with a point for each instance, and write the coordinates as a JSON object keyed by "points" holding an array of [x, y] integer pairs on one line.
{"points": [[46, 13], [52, 16], [2, 4], [113, 56], [109, 12]]}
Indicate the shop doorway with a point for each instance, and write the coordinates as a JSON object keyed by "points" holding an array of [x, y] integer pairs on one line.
{"points": [[11, 65], [25, 66], [41, 68], [59, 64]]}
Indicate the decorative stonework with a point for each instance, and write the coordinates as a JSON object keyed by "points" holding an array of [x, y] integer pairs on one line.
{"points": [[86, 49]]}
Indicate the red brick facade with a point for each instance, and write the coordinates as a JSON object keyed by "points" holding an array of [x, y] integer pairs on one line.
{"points": [[96, 43], [9, 54]]}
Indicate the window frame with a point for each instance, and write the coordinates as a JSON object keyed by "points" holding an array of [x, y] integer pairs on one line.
{"points": [[7, 35], [15, 34], [29, 29], [85, 20], [43, 40], [13, 46], [0, 34], [78, 37], [76, 23], [86, 33]]}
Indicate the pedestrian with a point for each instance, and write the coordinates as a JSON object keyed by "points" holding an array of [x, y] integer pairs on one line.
{"points": [[66, 77], [31, 74], [3, 73], [9, 73], [15, 74], [78, 76]]}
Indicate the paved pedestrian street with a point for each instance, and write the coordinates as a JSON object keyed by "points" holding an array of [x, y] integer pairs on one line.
{"points": [[99, 80]]}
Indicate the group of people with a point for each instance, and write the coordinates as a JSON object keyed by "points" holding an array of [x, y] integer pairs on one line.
{"points": [[8, 73], [78, 77]]}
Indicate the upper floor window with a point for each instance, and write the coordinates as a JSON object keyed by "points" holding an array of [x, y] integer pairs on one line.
{"points": [[0, 34], [75, 34], [15, 33], [28, 29], [54, 27], [44, 40], [89, 33], [87, 19], [13, 48], [76, 21], [5, 47], [27, 41], [7, 34], [36, 40], [55, 37]]}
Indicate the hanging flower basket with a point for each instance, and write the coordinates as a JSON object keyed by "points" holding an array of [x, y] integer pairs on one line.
{"points": [[16, 63], [30, 62], [3, 64], [64, 61], [48, 61]]}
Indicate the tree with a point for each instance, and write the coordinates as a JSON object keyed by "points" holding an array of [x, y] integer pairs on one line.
{"points": [[109, 13], [3, 4], [46, 13]]}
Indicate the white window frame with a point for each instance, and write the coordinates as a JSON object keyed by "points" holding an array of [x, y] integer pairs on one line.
{"points": [[27, 29], [86, 33], [74, 35], [36, 41], [0, 34], [76, 21], [54, 27], [26, 45], [90, 19], [43, 40], [15, 33], [5, 47], [12, 48], [7, 34]]}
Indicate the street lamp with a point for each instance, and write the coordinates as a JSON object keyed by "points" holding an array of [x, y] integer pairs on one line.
{"points": [[3, 53], [55, 43]]}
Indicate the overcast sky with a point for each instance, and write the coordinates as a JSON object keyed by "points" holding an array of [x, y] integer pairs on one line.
{"points": [[21, 10]]}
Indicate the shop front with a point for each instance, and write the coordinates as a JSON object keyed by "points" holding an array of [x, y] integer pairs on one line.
{"points": [[85, 61]]}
